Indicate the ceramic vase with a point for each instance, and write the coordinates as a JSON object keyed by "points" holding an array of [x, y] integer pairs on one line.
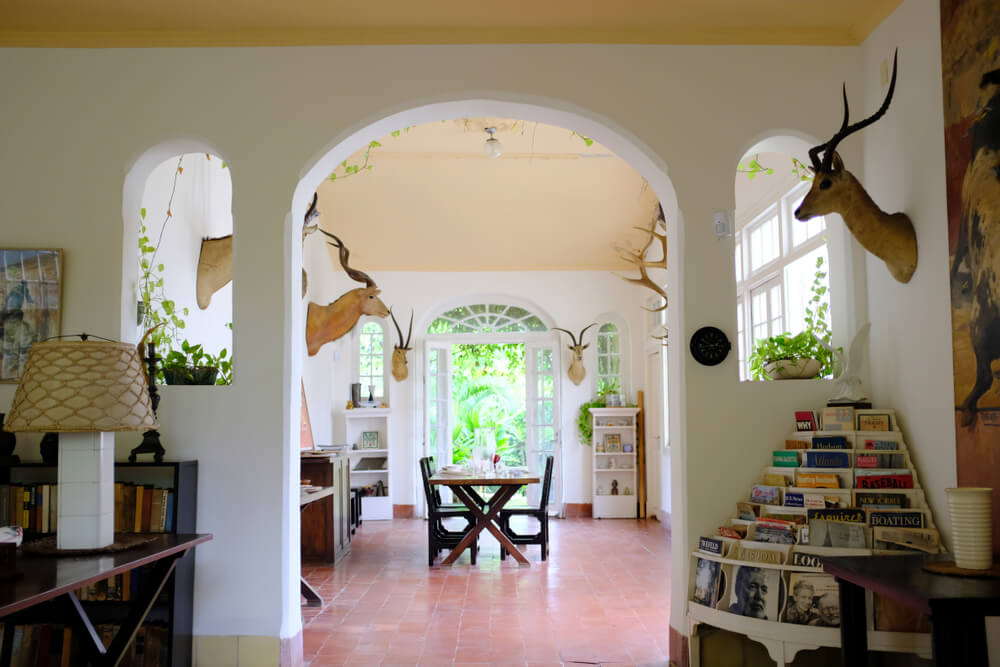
{"points": [[970, 510]]}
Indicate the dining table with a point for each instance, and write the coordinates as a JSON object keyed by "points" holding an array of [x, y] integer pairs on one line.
{"points": [[463, 483]]}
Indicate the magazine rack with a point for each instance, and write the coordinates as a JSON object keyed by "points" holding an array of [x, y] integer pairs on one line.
{"points": [[775, 543]]}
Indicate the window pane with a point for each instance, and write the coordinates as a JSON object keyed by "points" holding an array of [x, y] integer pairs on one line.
{"points": [[613, 344], [602, 344], [765, 243], [602, 365], [799, 276], [544, 360], [738, 261], [803, 231], [775, 294]]}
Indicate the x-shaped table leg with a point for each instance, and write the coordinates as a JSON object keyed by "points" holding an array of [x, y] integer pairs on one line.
{"points": [[486, 520]]}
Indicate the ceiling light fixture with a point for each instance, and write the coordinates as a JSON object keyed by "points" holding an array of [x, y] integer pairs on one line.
{"points": [[493, 148]]}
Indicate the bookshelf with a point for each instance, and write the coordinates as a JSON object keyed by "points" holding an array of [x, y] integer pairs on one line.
{"points": [[166, 634], [326, 523], [370, 467], [615, 472], [828, 491]]}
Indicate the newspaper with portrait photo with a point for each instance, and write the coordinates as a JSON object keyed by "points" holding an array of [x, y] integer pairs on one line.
{"points": [[813, 599], [756, 592]]}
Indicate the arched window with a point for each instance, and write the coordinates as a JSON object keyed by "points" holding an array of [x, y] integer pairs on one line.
{"points": [[486, 318], [371, 360], [609, 359]]}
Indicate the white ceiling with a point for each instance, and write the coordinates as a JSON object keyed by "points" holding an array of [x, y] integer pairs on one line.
{"points": [[432, 201]]}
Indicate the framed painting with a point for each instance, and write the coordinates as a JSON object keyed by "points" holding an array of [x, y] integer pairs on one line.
{"points": [[30, 304]]}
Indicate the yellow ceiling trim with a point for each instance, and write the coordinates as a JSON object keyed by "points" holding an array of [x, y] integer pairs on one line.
{"points": [[659, 35]]}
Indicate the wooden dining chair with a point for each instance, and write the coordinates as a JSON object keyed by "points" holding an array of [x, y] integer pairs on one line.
{"points": [[438, 536], [539, 511]]}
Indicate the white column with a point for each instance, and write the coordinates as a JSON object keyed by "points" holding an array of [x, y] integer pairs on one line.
{"points": [[86, 490]]}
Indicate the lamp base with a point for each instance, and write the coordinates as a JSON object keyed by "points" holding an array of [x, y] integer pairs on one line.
{"points": [[86, 490], [150, 445]]}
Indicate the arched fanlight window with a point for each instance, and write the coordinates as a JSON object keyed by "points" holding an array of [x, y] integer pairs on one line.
{"points": [[486, 318], [609, 359]]}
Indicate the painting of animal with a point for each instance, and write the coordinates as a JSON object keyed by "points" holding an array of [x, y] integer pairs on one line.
{"points": [[970, 64], [328, 323]]}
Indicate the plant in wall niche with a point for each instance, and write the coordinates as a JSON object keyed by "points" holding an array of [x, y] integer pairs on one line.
{"points": [[157, 312], [192, 365], [788, 356]]}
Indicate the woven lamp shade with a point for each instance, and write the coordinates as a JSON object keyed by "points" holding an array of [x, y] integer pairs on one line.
{"points": [[82, 385]]}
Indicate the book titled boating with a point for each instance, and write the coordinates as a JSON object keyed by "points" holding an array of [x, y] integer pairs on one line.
{"points": [[829, 442], [828, 460], [897, 519], [847, 515]]}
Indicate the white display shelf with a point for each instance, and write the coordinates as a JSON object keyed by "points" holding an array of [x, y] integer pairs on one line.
{"points": [[621, 506], [784, 640], [357, 421]]}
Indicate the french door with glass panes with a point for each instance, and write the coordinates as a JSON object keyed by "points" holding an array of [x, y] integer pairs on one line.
{"points": [[542, 419], [438, 411]]}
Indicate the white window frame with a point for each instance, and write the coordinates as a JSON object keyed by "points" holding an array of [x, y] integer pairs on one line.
{"points": [[773, 272], [387, 345], [624, 351]]}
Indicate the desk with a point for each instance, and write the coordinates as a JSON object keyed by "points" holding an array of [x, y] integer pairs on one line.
{"points": [[52, 580], [305, 497], [486, 517], [957, 605]]}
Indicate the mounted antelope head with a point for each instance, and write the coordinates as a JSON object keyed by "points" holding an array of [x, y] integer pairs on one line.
{"points": [[215, 268], [576, 370], [330, 322], [890, 237], [400, 371], [308, 229], [638, 259]]}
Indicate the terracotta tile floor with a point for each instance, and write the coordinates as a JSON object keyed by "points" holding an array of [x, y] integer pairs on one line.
{"points": [[602, 597]]}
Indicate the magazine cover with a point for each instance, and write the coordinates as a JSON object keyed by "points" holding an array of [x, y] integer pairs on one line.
{"points": [[813, 599], [756, 592], [706, 582]]}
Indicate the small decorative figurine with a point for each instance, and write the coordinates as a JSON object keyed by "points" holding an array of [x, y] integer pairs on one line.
{"points": [[614, 487], [600, 490], [611, 463], [628, 491]]}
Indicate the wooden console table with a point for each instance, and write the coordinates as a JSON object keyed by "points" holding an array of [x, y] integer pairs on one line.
{"points": [[46, 591], [958, 606]]}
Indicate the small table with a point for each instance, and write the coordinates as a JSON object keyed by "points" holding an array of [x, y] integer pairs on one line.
{"points": [[306, 497], [958, 606], [486, 517], [53, 580]]}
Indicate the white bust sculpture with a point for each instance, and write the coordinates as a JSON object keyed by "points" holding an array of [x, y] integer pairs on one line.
{"points": [[847, 384]]}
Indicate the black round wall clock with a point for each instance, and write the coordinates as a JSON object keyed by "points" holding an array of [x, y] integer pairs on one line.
{"points": [[709, 346]]}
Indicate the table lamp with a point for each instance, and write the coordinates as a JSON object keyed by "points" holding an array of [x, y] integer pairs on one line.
{"points": [[83, 390]]}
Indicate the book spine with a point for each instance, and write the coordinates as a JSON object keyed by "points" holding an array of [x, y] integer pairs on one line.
{"points": [[147, 504], [137, 522], [164, 501]]}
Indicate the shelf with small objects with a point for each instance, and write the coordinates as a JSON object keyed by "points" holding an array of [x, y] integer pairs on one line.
{"points": [[615, 476], [849, 489], [368, 430]]}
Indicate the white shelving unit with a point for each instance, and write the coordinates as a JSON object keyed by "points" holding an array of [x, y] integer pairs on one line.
{"points": [[356, 422], [614, 470]]}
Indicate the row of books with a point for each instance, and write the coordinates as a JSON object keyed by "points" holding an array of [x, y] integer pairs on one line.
{"points": [[845, 419], [777, 478], [800, 597], [138, 509], [49, 645], [866, 441], [30, 506], [825, 458]]}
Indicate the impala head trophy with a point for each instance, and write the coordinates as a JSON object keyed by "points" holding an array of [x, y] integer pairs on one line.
{"points": [[330, 322], [400, 370], [576, 370], [888, 236]]}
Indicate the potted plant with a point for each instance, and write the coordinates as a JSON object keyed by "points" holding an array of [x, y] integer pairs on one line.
{"points": [[794, 356], [192, 365]]}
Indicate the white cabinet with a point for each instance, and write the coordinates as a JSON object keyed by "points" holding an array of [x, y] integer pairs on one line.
{"points": [[365, 427], [616, 478]]}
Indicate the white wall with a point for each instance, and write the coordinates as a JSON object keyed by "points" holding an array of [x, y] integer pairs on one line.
{"points": [[903, 170], [572, 298], [273, 113]]}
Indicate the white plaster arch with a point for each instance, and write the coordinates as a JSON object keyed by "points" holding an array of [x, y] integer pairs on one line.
{"points": [[846, 265], [137, 173], [463, 105]]}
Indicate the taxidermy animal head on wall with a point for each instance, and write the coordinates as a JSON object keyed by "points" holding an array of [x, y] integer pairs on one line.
{"points": [[330, 322], [215, 268], [888, 236], [400, 370], [576, 371], [638, 258], [308, 229]]}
